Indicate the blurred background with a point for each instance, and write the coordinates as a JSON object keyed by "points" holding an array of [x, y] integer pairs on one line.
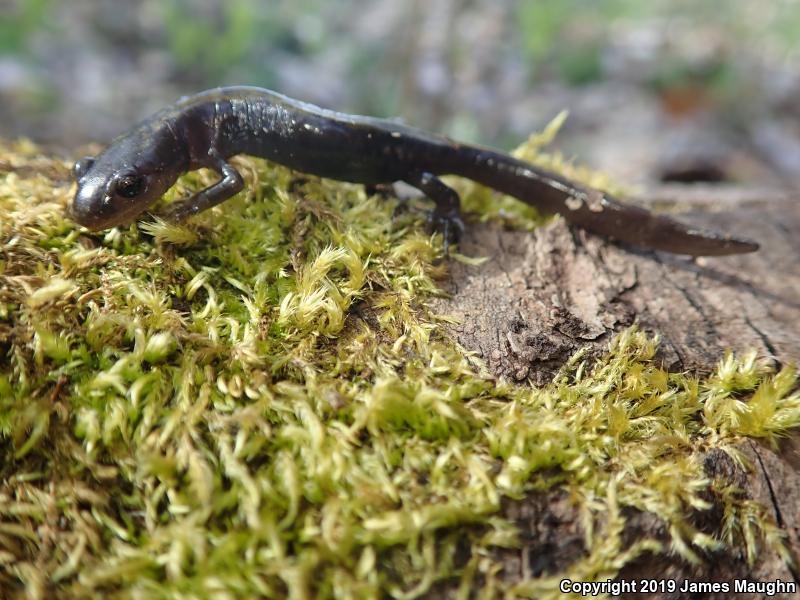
{"points": [[663, 90]]}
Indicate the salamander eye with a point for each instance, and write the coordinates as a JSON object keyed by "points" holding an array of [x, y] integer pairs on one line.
{"points": [[82, 166], [131, 186]]}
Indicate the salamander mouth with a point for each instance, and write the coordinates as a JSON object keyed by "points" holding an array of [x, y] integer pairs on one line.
{"points": [[104, 213]]}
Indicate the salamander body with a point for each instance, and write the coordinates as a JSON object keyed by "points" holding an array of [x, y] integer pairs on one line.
{"points": [[206, 129]]}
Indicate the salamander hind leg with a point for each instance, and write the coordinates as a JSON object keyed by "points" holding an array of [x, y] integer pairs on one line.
{"points": [[229, 185], [446, 216]]}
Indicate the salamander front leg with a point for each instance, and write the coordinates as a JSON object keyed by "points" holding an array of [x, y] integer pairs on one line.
{"points": [[230, 184], [446, 217]]}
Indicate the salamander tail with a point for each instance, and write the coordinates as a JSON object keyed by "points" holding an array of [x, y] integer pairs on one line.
{"points": [[596, 211]]}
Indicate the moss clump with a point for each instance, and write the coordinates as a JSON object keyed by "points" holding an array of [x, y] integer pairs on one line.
{"points": [[262, 403]]}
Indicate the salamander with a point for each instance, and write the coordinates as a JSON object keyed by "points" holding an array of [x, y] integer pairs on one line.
{"points": [[206, 129]]}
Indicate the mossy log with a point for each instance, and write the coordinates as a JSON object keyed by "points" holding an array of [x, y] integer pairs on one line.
{"points": [[544, 295], [268, 402]]}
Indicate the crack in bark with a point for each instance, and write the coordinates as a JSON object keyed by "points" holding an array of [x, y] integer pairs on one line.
{"points": [[766, 341], [773, 499], [776, 507]]}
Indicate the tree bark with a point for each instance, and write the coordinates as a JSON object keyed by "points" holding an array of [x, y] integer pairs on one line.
{"points": [[544, 295]]}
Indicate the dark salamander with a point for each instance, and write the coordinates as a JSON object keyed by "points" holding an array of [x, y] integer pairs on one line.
{"points": [[206, 129]]}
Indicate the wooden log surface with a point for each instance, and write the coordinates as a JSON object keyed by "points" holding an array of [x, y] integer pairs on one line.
{"points": [[541, 296]]}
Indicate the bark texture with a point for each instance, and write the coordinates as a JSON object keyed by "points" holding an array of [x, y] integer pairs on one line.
{"points": [[544, 295]]}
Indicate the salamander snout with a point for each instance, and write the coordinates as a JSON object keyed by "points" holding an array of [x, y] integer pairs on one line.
{"points": [[109, 196], [90, 207]]}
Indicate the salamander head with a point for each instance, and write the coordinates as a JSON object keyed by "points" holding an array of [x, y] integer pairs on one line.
{"points": [[118, 185]]}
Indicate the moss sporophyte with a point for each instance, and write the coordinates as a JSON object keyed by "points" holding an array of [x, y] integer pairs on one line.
{"points": [[265, 404]]}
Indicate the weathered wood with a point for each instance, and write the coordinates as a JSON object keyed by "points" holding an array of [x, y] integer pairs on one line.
{"points": [[544, 295]]}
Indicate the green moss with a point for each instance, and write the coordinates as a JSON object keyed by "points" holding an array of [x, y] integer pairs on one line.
{"points": [[262, 402]]}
